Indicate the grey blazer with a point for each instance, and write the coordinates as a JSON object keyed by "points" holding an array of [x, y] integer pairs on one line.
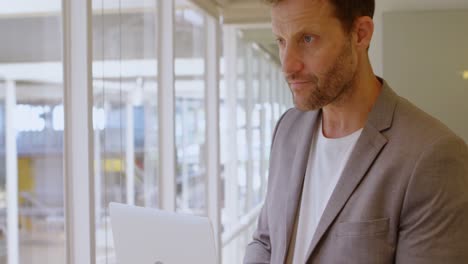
{"points": [[402, 198]]}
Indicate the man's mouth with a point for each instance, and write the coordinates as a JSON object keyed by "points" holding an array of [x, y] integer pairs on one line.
{"points": [[299, 82]]}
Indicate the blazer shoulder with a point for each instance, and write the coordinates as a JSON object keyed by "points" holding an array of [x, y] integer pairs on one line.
{"points": [[418, 126]]}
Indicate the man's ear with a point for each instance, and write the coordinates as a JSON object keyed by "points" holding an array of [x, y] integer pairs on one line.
{"points": [[363, 30]]}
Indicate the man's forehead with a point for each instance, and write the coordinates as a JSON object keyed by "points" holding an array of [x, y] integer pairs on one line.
{"points": [[312, 12], [287, 10]]}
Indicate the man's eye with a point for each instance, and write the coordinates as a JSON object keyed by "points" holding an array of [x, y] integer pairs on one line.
{"points": [[280, 41], [308, 39]]}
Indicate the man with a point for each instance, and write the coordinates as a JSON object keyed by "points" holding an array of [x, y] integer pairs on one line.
{"points": [[357, 173]]}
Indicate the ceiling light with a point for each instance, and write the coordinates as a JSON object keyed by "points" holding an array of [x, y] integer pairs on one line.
{"points": [[465, 75]]}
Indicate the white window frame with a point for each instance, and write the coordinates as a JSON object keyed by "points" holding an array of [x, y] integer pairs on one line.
{"points": [[212, 101], [78, 132], [166, 104], [11, 153]]}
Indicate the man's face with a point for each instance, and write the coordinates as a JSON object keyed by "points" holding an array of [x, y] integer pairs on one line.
{"points": [[317, 56]]}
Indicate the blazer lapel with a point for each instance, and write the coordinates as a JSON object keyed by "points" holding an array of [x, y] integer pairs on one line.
{"points": [[366, 150], [296, 179]]}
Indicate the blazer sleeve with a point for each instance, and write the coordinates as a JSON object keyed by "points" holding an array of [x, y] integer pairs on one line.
{"points": [[258, 251], [434, 217]]}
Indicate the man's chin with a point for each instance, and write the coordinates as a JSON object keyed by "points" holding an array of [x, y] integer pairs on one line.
{"points": [[302, 106]]}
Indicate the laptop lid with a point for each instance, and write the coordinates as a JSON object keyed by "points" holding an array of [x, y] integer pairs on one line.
{"points": [[150, 236]]}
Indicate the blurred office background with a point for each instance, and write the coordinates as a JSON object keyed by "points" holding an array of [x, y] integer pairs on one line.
{"points": [[171, 104]]}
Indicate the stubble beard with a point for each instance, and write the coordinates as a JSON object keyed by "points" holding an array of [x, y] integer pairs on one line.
{"points": [[333, 88]]}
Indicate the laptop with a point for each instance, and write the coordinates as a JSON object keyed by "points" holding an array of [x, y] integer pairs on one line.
{"points": [[152, 236]]}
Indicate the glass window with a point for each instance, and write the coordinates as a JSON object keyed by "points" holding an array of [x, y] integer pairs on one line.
{"points": [[31, 115], [277, 94], [255, 110], [267, 65], [125, 111], [241, 112], [190, 123], [245, 162]]}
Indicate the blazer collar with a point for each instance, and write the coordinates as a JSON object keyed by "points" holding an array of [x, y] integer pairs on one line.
{"points": [[381, 115]]}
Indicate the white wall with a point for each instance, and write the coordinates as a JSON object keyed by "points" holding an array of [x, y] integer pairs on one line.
{"points": [[382, 6], [425, 55]]}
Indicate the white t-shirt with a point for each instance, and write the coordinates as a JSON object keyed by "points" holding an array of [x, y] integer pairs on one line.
{"points": [[326, 162]]}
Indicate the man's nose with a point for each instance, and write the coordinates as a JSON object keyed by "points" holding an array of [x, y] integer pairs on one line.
{"points": [[291, 61]]}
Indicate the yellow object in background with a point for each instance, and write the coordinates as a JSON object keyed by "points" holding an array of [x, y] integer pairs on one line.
{"points": [[26, 183], [113, 165], [465, 75]]}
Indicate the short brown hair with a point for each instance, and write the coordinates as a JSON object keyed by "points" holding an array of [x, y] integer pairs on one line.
{"points": [[347, 10]]}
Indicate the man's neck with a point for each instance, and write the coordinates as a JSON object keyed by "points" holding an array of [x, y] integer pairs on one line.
{"points": [[350, 114]]}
